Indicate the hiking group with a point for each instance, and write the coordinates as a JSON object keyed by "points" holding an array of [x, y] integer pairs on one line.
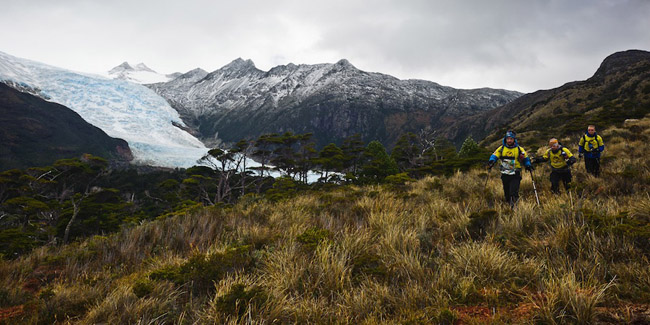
{"points": [[513, 157]]}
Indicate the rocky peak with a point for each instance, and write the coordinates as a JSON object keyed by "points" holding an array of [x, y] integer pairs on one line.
{"points": [[197, 74], [345, 64], [174, 75], [282, 69], [235, 69], [125, 66], [239, 64], [122, 67], [620, 61], [143, 67]]}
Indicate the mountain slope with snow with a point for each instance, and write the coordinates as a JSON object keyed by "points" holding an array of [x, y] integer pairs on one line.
{"points": [[140, 73], [121, 109], [330, 100]]}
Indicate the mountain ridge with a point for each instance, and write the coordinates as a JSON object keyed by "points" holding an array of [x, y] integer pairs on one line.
{"points": [[330, 100]]}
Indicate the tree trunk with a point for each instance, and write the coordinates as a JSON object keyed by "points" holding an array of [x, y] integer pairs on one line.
{"points": [[243, 179], [75, 211]]}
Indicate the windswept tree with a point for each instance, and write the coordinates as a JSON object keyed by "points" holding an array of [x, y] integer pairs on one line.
{"points": [[200, 187], [378, 163], [23, 210], [407, 152], [68, 182], [11, 184], [284, 155], [263, 151], [469, 148], [305, 156], [330, 160], [294, 156], [427, 142], [353, 148], [290, 154], [243, 148], [444, 149], [226, 164]]}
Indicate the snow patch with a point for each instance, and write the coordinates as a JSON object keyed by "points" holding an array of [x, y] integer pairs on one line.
{"points": [[140, 74]]}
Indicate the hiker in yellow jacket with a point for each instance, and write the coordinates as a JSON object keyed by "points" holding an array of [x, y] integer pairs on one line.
{"points": [[591, 145], [512, 157], [561, 160]]}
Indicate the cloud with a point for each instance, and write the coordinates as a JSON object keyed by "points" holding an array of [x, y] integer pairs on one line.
{"points": [[508, 43], [512, 44]]}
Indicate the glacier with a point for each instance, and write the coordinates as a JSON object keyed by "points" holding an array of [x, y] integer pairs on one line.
{"points": [[120, 108]]}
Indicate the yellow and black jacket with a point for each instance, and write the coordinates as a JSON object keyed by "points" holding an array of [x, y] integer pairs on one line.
{"points": [[560, 159], [512, 158], [591, 146]]}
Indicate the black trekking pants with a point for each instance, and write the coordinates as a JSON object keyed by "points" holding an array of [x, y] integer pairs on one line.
{"points": [[558, 175], [593, 166], [511, 187]]}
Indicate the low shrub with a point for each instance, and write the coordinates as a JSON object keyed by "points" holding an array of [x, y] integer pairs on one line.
{"points": [[142, 288], [479, 223], [203, 269], [369, 264], [312, 237], [236, 301]]}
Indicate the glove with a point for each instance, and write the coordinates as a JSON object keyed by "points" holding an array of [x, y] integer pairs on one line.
{"points": [[530, 168], [580, 155], [490, 164]]}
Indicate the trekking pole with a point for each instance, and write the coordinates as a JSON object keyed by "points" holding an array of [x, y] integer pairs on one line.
{"points": [[532, 177], [486, 179]]}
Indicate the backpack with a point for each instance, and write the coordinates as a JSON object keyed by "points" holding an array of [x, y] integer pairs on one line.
{"points": [[584, 139]]}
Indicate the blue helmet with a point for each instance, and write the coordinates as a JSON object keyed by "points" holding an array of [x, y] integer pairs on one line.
{"points": [[510, 134]]}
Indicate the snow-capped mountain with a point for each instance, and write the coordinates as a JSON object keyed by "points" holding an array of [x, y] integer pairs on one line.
{"points": [[141, 74], [121, 109], [330, 100]]}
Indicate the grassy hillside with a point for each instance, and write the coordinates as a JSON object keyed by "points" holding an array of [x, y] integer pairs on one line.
{"points": [[438, 250], [619, 90]]}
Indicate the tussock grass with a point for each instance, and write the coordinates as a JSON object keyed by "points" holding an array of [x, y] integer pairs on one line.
{"points": [[489, 265], [438, 250], [565, 299], [123, 306]]}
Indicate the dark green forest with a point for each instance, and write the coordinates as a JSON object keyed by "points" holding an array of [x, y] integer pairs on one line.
{"points": [[79, 197]]}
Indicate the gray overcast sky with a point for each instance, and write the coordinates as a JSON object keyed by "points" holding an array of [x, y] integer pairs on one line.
{"points": [[516, 44]]}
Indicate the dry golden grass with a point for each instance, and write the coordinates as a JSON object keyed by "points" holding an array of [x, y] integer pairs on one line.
{"points": [[444, 249]]}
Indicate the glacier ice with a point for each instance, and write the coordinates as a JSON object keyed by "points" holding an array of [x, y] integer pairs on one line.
{"points": [[120, 108]]}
